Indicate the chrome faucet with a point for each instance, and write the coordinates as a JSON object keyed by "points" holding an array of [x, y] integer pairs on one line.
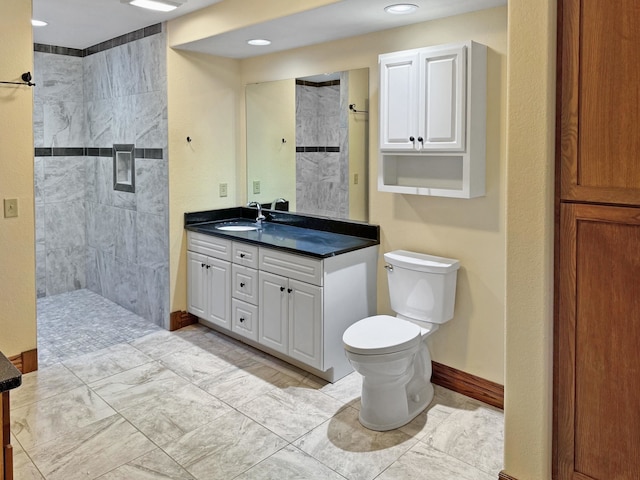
{"points": [[275, 203], [260, 216]]}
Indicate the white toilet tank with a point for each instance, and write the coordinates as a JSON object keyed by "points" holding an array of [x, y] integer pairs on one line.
{"points": [[422, 287]]}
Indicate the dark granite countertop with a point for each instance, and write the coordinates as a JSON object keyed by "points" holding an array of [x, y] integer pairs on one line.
{"points": [[302, 234], [10, 376]]}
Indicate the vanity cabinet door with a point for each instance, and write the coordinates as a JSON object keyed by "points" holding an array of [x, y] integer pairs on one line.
{"points": [[197, 284], [244, 319], [273, 318], [219, 298], [305, 323]]}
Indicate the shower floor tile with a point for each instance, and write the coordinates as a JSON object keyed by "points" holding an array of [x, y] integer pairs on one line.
{"points": [[80, 322]]}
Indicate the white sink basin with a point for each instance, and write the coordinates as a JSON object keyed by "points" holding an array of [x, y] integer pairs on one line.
{"points": [[236, 228]]}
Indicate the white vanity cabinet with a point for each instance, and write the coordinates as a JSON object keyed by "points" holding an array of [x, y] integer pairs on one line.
{"points": [[244, 290], [291, 310], [209, 274], [295, 307], [432, 120]]}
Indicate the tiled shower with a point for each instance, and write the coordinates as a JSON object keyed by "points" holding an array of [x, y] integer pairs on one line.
{"points": [[88, 235]]}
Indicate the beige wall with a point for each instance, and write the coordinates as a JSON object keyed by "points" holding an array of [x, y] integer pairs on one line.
{"points": [[17, 235], [470, 230], [529, 252], [203, 104]]}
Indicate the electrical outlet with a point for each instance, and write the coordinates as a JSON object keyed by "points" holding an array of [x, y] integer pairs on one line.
{"points": [[10, 207], [355, 178], [223, 189], [256, 187]]}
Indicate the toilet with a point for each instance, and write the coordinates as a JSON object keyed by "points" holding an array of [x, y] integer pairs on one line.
{"points": [[391, 353]]}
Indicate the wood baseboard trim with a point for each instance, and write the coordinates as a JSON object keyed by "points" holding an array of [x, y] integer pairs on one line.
{"points": [[504, 476], [469, 385], [26, 362], [180, 319]]}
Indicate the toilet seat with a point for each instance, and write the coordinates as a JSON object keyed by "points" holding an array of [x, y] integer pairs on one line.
{"points": [[381, 334]]}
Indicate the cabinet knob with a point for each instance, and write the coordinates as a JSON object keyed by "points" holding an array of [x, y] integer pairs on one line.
{"points": [[420, 139], [241, 284], [241, 319], [282, 289], [202, 265], [242, 255], [289, 290], [208, 267], [412, 139]]}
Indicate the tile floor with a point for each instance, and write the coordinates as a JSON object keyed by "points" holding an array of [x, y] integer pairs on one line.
{"points": [[194, 404]]}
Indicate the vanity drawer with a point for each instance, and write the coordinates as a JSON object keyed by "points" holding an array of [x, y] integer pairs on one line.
{"points": [[298, 267], [244, 319], [209, 245], [244, 283], [245, 254]]}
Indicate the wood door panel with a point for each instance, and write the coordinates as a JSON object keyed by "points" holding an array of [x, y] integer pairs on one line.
{"points": [[600, 118], [598, 340]]}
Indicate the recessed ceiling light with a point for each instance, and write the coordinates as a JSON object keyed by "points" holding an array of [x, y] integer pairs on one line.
{"points": [[157, 5], [401, 8], [38, 23], [259, 42]]}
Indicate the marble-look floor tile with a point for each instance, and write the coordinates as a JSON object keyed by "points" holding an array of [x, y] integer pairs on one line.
{"points": [[474, 436], [160, 343], [224, 448], [106, 362], [347, 390], [91, 451], [23, 467], [292, 411], [196, 365], [237, 386], [169, 416], [425, 463], [355, 452], [138, 385], [42, 384], [290, 464], [38, 423], [155, 465]]}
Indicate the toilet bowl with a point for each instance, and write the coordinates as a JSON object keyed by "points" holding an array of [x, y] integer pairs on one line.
{"points": [[391, 353]]}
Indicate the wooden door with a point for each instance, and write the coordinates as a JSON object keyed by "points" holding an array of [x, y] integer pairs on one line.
{"points": [[598, 337], [596, 429]]}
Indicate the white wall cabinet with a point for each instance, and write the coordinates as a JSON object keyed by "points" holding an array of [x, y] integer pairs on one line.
{"points": [[292, 306], [432, 120]]}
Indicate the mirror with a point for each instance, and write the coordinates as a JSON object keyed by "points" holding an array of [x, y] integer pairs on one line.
{"points": [[307, 143], [124, 178]]}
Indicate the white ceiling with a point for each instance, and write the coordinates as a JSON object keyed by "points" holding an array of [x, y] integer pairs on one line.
{"points": [[83, 23]]}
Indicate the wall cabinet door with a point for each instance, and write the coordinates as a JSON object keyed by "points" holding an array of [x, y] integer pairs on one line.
{"points": [[273, 319], [442, 98], [597, 335], [399, 100], [305, 323]]}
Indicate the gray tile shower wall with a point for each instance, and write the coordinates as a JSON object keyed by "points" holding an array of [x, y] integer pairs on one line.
{"points": [[89, 235]]}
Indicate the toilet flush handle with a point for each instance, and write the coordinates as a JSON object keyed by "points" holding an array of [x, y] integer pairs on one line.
{"points": [[389, 267]]}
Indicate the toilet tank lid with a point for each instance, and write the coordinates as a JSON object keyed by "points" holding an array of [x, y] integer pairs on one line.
{"points": [[421, 261]]}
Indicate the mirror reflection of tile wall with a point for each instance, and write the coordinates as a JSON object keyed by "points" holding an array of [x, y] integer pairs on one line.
{"points": [[322, 156]]}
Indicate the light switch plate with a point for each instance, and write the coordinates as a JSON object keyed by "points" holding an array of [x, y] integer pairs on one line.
{"points": [[256, 187], [10, 207], [223, 189]]}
